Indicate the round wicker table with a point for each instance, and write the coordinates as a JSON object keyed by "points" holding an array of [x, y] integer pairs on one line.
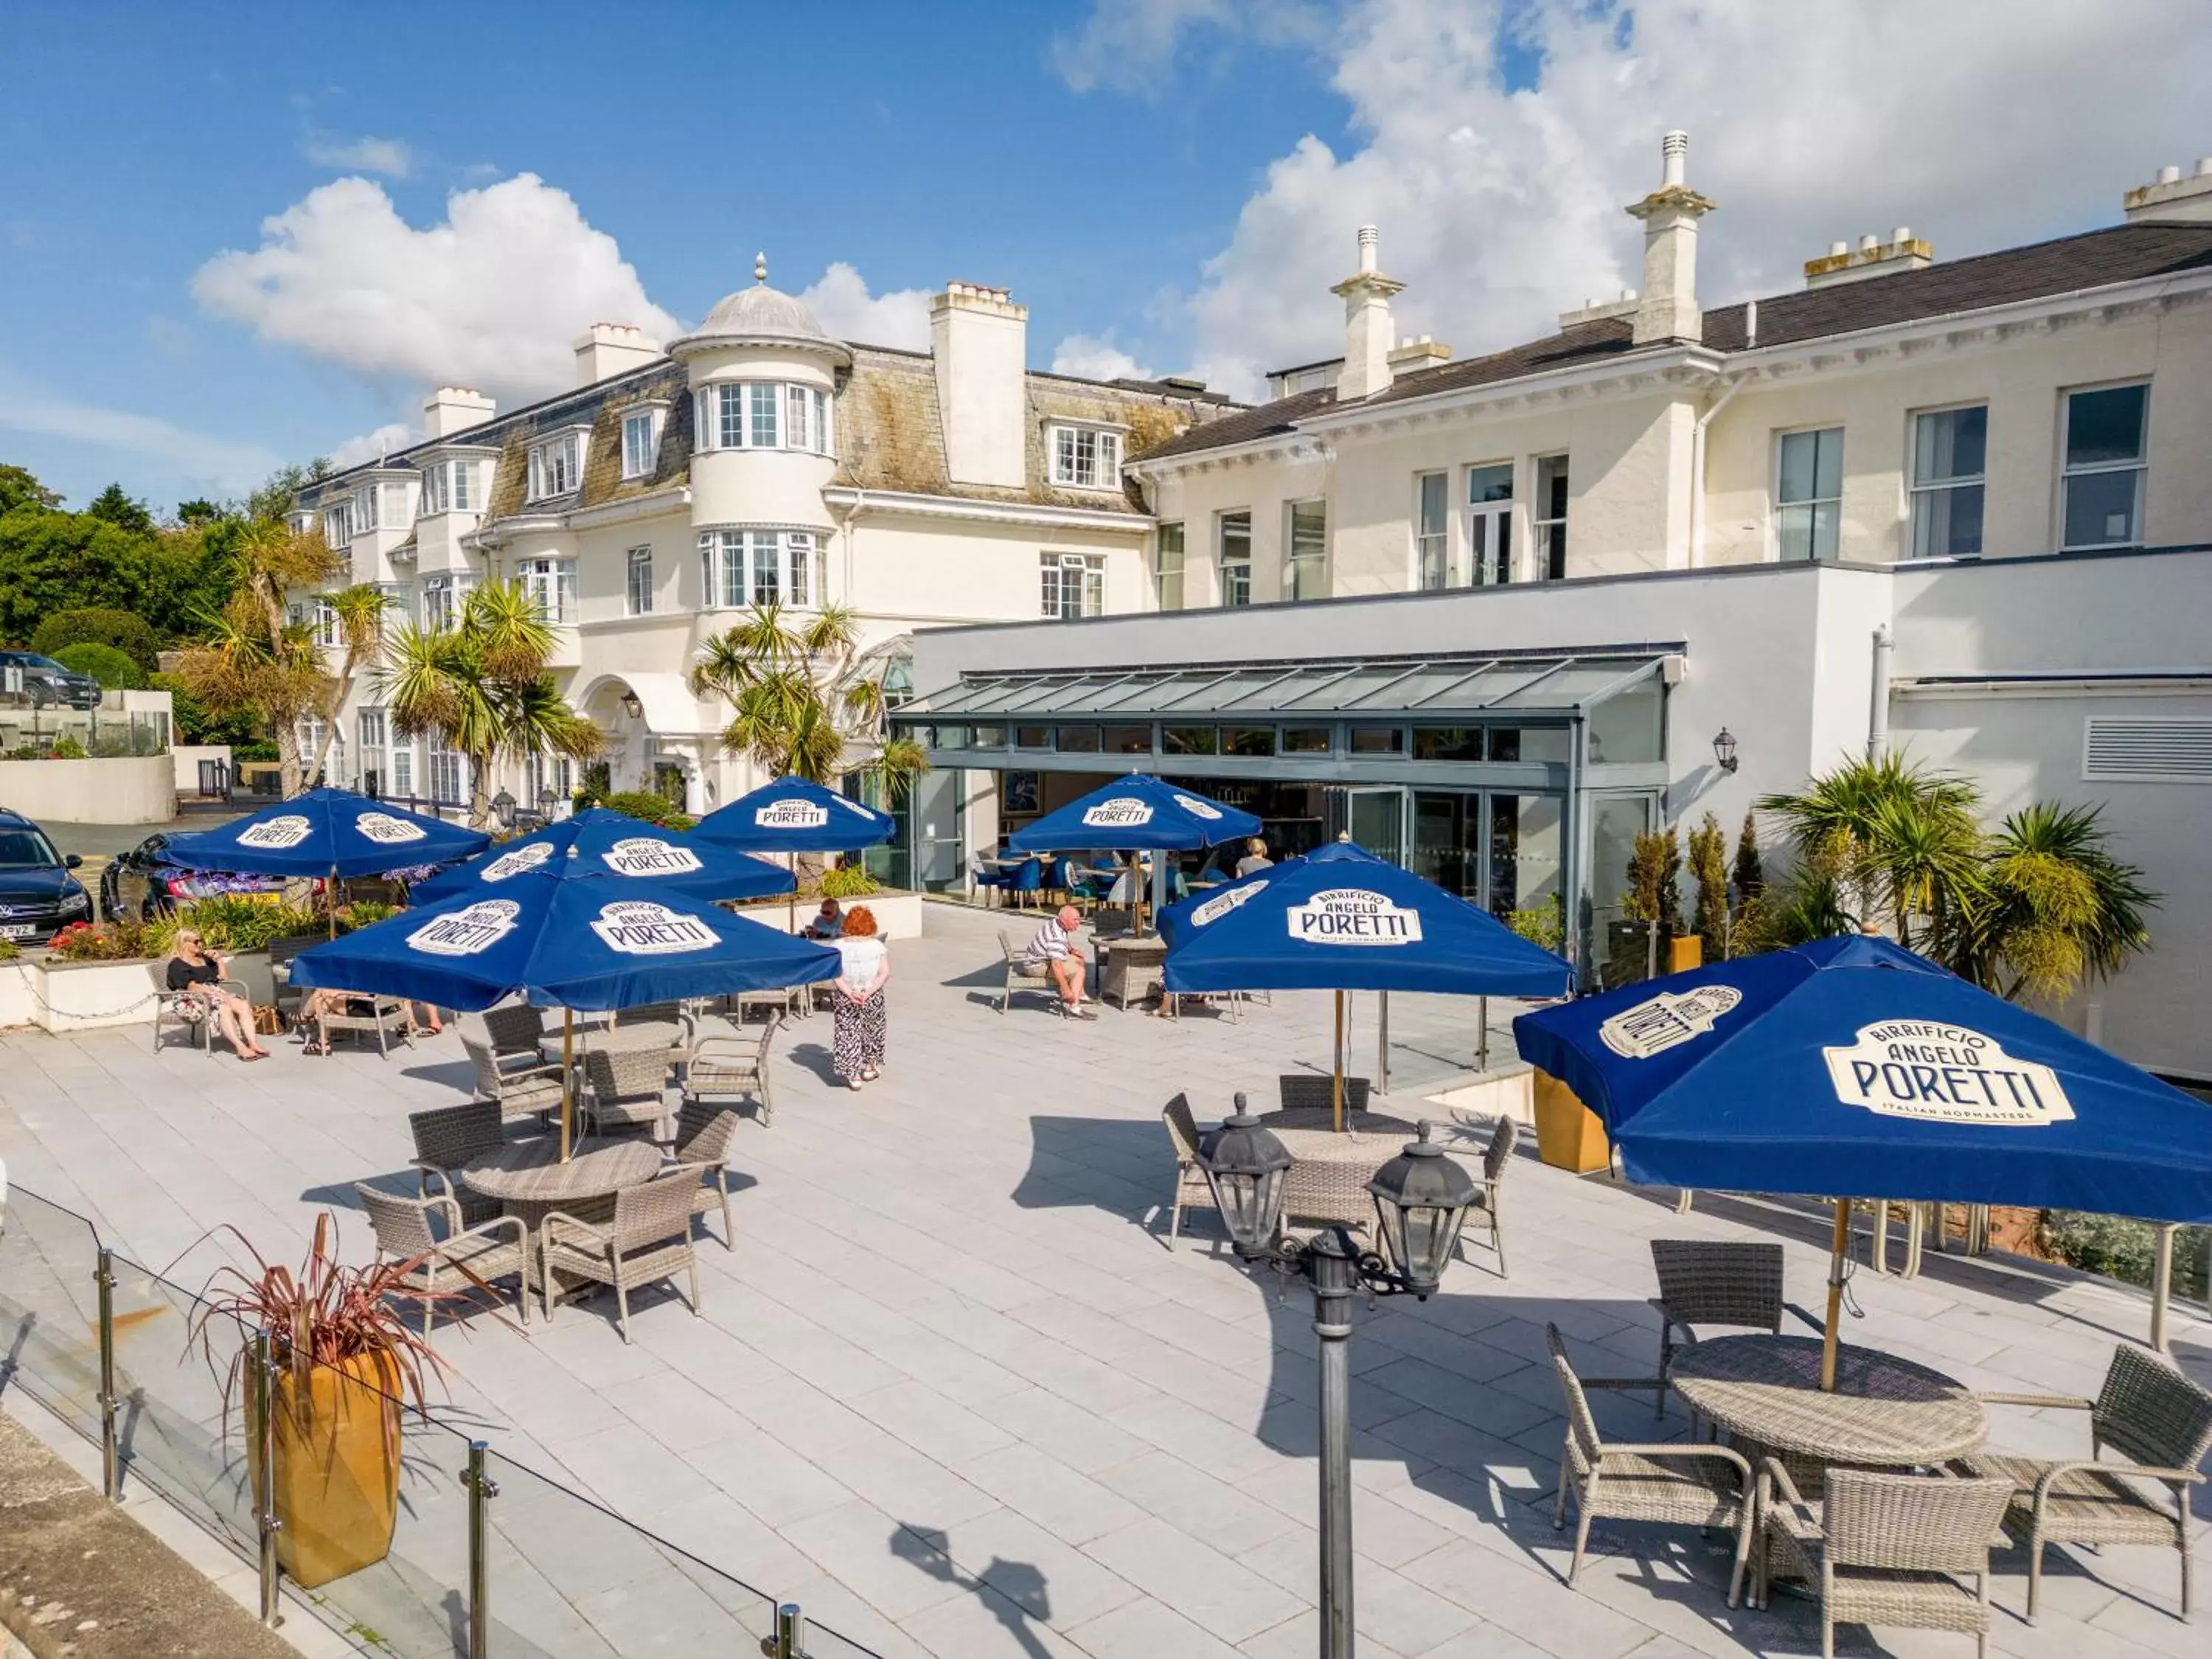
{"points": [[1886, 1412], [529, 1178], [1327, 1178]]}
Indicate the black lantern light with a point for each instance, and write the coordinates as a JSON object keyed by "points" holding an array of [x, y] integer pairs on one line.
{"points": [[1724, 749], [548, 798], [633, 705], [1421, 1200], [1244, 1164], [502, 806]]}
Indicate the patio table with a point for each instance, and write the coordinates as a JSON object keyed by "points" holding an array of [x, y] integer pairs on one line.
{"points": [[528, 1177], [1886, 1412], [1131, 969], [1327, 1178]]}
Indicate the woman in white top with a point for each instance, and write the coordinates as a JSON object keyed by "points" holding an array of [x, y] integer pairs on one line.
{"points": [[858, 1044]]}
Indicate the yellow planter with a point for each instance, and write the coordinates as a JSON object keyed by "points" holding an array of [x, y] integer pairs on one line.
{"points": [[1686, 951], [338, 1468], [1568, 1134]]}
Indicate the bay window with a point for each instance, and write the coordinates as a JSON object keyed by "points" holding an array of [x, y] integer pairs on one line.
{"points": [[337, 524], [364, 509], [763, 414], [743, 567], [449, 487], [551, 585]]}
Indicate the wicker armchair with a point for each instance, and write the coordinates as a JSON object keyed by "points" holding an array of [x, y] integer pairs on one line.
{"points": [[704, 1134], [169, 1005], [514, 1033], [729, 1067], [1311, 1091], [1683, 1485], [1025, 974], [648, 1240], [626, 1089], [518, 1090], [1712, 1282], [2158, 1421], [1192, 1191], [1497, 1157], [447, 1269], [445, 1138], [1886, 1549]]}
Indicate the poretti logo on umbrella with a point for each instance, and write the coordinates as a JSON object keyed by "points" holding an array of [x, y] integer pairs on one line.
{"points": [[1122, 812], [1220, 905], [274, 835], [1195, 807], [641, 855], [1353, 915], [1667, 1020], [1946, 1073], [791, 815], [467, 933], [385, 830], [519, 862], [637, 927]]}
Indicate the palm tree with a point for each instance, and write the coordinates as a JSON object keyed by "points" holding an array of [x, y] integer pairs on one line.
{"points": [[482, 684], [1895, 835], [360, 613], [805, 700], [2057, 907], [255, 661]]}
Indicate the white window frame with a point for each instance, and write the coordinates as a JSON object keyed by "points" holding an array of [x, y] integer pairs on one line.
{"points": [[1071, 586], [1236, 589], [373, 730], [641, 459], [552, 583], [337, 523], [1916, 487], [1776, 505], [401, 785], [637, 597], [364, 507], [727, 417], [447, 773], [324, 620], [1541, 523], [2067, 472], [1313, 565], [741, 567], [556, 466], [1084, 456], [449, 486], [1162, 575], [1432, 543], [440, 601]]}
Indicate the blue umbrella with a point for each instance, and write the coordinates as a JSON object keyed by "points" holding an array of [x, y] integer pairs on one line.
{"points": [[593, 943], [795, 816], [1340, 919], [1135, 811], [602, 843], [326, 832], [1850, 1067]]}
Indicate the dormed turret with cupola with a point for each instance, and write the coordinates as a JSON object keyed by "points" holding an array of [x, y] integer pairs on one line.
{"points": [[764, 376]]}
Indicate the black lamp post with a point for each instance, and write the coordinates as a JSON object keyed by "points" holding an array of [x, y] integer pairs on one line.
{"points": [[1724, 749], [503, 807], [1421, 1200], [548, 798]]}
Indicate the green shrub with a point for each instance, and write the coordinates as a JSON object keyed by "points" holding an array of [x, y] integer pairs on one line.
{"points": [[364, 913], [193, 722], [652, 808], [10, 949], [66, 747], [239, 922], [2124, 1249], [101, 941], [1544, 926], [255, 749], [125, 632], [849, 881], [114, 669]]}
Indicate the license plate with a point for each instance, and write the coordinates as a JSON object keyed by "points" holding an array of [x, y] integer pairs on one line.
{"points": [[17, 930]]}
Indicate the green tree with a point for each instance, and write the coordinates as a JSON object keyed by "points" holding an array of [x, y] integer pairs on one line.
{"points": [[114, 669], [196, 511], [1909, 843], [806, 701], [483, 684], [19, 488], [194, 723], [52, 561], [1750, 873], [2055, 907], [124, 511], [125, 630], [275, 496], [361, 611], [1709, 863], [1654, 894]]}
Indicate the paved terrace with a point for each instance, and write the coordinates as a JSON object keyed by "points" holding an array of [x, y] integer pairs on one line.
{"points": [[988, 1413]]}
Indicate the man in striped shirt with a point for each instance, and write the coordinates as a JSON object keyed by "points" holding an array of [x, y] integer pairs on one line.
{"points": [[1053, 946]]}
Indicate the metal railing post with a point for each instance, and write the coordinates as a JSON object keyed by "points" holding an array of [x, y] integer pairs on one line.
{"points": [[111, 1473], [261, 1399], [482, 1489], [790, 1631]]}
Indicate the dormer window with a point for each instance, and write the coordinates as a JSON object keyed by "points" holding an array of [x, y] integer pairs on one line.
{"points": [[1085, 457], [640, 430], [556, 466], [364, 511], [337, 524], [764, 415], [449, 487]]}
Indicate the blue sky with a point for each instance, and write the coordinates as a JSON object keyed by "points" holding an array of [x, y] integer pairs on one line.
{"points": [[1168, 185]]}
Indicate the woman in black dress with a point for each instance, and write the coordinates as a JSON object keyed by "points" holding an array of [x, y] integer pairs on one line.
{"points": [[198, 970]]}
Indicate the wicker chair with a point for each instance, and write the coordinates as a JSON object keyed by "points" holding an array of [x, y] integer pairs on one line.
{"points": [[626, 1089], [519, 1091], [2159, 1420], [648, 1240], [513, 1032], [445, 1269], [1191, 1190], [169, 1005], [1024, 974], [704, 1134], [1677, 1484], [1496, 1158], [729, 1067], [1886, 1549], [1712, 1282], [1309, 1092], [445, 1138]]}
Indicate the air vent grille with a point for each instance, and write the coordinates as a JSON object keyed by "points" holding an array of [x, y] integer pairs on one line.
{"points": [[2120, 749]]}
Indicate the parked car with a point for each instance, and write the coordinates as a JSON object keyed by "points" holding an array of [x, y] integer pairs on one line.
{"points": [[39, 896], [46, 682], [141, 883]]}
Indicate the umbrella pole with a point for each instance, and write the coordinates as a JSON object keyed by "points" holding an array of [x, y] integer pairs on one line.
{"points": [[1482, 1034], [568, 1074], [2161, 1285], [1336, 1073], [331, 901], [1382, 1042], [790, 910], [1840, 1248]]}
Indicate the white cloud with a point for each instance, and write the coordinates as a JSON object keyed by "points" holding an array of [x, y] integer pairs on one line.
{"points": [[1129, 44], [221, 465], [390, 157], [1096, 357], [372, 446], [1501, 207], [494, 296], [840, 302]]}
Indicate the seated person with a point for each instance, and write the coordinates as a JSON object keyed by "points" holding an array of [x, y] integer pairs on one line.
{"points": [[197, 969], [1052, 946], [1255, 858], [829, 921], [319, 1003]]}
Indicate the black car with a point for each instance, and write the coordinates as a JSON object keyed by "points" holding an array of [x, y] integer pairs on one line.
{"points": [[141, 884], [46, 682], [39, 897]]}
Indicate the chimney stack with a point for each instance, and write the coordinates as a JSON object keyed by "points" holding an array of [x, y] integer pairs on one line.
{"points": [[1872, 258], [454, 409], [1668, 307], [607, 349], [2172, 197], [978, 340], [1369, 332]]}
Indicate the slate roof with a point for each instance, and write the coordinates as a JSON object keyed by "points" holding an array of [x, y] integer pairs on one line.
{"points": [[2096, 259]]}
